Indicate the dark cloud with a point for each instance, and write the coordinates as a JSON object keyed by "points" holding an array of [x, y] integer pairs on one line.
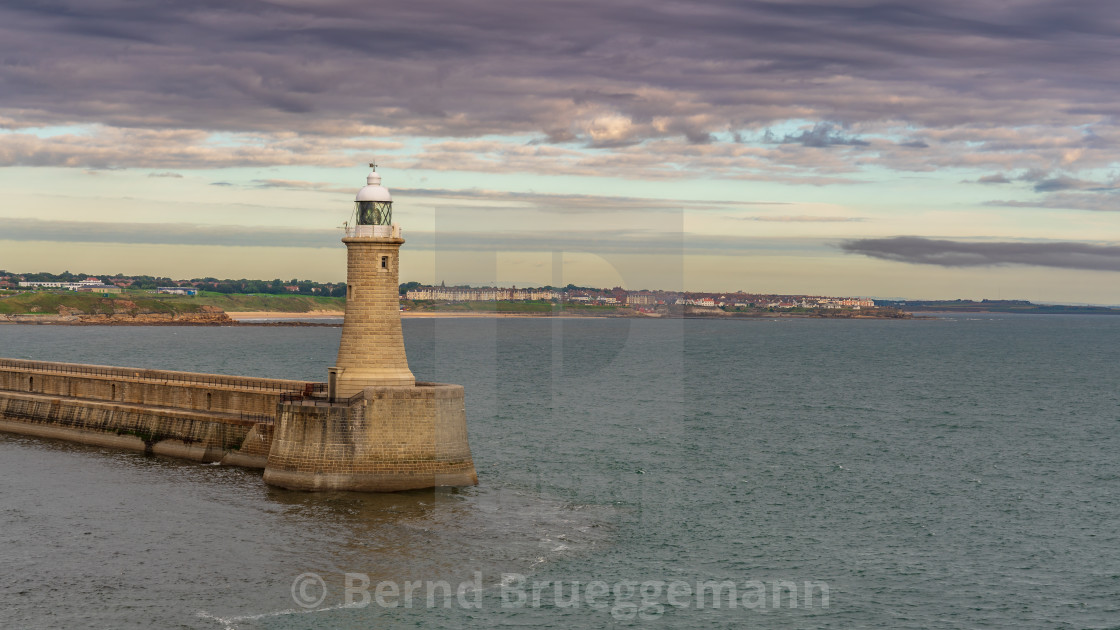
{"points": [[601, 241], [1047, 181], [441, 67], [823, 134], [1094, 201], [648, 89], [997, 178], [1055, 184], [945, 253]]}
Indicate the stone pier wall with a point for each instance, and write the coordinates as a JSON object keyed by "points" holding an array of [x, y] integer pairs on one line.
{"points": [[185, 434], [395, 438], [202, 417], [387, 439], [163, 388]]}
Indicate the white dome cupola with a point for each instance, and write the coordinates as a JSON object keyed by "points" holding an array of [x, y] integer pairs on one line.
{"points": [[373, 203]]}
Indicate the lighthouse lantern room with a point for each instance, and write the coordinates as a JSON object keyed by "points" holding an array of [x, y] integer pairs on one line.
{"points": [[373, 210]]}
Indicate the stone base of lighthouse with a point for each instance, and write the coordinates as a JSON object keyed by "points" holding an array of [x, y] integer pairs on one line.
{"points": [[391, 438]]}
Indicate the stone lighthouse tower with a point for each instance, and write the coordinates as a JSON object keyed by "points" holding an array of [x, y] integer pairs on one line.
{"points": [[372, 347], [376, 429]]}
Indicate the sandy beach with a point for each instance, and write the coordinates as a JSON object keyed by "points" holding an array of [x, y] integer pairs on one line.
{"points": [[240, 315], [248, 315], [430, 315]]}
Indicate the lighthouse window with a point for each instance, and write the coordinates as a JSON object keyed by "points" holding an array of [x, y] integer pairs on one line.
{"points": [[384, 262]]}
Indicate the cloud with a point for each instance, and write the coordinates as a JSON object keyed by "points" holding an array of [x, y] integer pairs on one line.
{"points": [[997, 178], [600, 241], [166, 174], [546, 202], [803, 219], [1064, 183], [108, 147], [823, 134], [924, 251], [1007, 86], [163, 233], [1062, 191], [1047, 181], [611, 241], [662, 159], [295, 184], [1096, 201]]}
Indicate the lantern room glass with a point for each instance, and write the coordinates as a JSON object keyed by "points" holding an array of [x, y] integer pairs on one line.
{"points": [[374, 212]]}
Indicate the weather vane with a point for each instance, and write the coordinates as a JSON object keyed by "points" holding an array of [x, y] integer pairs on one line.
{"points": [[373, 166]]}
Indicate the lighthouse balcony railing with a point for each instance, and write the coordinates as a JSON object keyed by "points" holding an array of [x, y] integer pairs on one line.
{"points": [[373, 231]]}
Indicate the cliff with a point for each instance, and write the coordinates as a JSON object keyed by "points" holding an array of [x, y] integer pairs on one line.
{"points": [[88, 309]]}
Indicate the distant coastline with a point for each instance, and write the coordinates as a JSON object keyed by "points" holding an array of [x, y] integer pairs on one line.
{"points": [[146, 309], [212, 317], [1021, 307]]}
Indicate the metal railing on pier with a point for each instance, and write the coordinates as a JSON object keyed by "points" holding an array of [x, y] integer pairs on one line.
{"points": [[168, 377]]}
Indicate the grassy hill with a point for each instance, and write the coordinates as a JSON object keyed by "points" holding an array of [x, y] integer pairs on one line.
{"points": [[25, 302], [50, 302], [240, 302]]}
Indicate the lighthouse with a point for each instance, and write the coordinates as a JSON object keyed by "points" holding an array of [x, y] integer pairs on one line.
{"points": [[377, 429], [372, 348]]}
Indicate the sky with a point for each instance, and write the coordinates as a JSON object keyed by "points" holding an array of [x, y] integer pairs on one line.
{"points": [[927, 150]]}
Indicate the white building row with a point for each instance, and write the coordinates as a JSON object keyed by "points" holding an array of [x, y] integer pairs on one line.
{"points": [[452, 294], [88, 283]]}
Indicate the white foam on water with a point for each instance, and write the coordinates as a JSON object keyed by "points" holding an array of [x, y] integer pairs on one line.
{"points": [[230, 623]]}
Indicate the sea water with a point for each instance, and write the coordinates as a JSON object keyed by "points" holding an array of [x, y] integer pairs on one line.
{"points": [[956, 472]]}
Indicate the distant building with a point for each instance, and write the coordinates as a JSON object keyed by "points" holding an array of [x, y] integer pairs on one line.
{"points": [[46, 285], [89, 284], [641, 298], [481, 294], [706, 302], [178, 290], [98, 288]]}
